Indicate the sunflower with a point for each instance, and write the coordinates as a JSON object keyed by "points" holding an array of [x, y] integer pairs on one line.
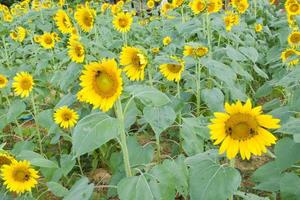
{"points": [[150, 4], [63, 22], [290, 56], [243, 129], [101, 83], [294, 39], [198, 51], [293, 7], [134, 62], [122, 22], [155, 50], [18, 34], [76, 51], [177, 3], [258, 27], [23, 84], [19, 177], [272, 2], [65, 117], [5, 159], [231, 19], [197, 6], [104, 7], [167, 40], [214, 6], [3, 81], [172, 71], [240, 5], [85, 17], [47, 40], [165, 8]]}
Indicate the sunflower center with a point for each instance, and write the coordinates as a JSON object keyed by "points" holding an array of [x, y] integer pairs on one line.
{"points": [[48, 40], [295, 38], [25, 84], [66, 22], [4, 161], [241, 126], [200, 6], [79, 51], [66, 116], [87, 19], [174, 68], [2, 81], [21, 175], [123, 22], [294, 7], [104, 84]]}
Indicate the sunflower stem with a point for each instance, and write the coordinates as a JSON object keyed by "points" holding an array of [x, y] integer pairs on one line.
{"points": [[255, 7], [182, 14], [125, 39], [158, 151], [36, 124], [179, 97], [198, 87], [123, 137], [232, 164], [208, 30]]}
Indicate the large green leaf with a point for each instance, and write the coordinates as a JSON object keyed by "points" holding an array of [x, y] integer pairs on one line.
{"points": [[36, 159], [81, 190], [209, 180], [57, 189], [159, 118], [214, 99], [93, 131], [16, 108], [290, 187]]}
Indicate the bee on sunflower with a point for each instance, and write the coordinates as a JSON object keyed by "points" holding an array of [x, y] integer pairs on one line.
{"points": [[243, 129]]}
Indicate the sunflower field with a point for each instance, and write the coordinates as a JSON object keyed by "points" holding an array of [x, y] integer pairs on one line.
{"points": [[150, 100]]}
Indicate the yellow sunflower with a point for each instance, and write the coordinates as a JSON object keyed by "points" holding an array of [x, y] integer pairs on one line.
{"points": [[177, 3], [63, 22], [294, 39], [65, 117], [85, 17], [76, 51], [150, 4], [101, 84], [122, 22], [166, 7], [272, 2], [290, 56], [172, 71], [198, 51], [197, 6], [3, 81], [104, 7], [23, 84], [134, 62], [19, 177], [18, 34], [167, 40], [5, 159], [292, 8], [47, 40], [258, 27], [231, 19], [214, 6], [155, 50], [243, 129]]}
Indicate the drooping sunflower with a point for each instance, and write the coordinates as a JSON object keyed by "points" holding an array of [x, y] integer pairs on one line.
{"points": [[76, 51], [18, 34], [290, 56], [63, 22], [258, 28], [47, 40], [243, 129], [101, 83], [197, 6], [172, 71], [3, 81], [122, 22], [214, 6], [65, 117], [294, 39], [5, 159], [134, 62], [23, 84], [19, 177], [85, 17]]}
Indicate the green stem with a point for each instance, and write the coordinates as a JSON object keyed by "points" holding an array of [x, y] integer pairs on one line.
{"points": [[158, 151], [198, 87], [150, 77], [179, 97], [36, 124], [255, 7], [232, 164], [182, 14], [80, 167], [123, 137], [125, 39], [208, 30]]}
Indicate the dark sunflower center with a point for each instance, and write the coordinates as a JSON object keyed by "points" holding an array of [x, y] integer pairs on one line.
{"points": [[241, 126], [200, 6], [123, 22], [175, 68], [25, 84], [66, 22], [105, 84], [136, 61], [21, 175], [2, 81], [78, 51], [295, 38], [87, 19], [4, 161], [48, 40], [294, 7], [67, 116]]}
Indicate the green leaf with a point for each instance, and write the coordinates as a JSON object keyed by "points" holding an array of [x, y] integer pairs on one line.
{"points": [[45, 119], [292, 126], [213, 98], [36, 159], [67, 100], [66, 163], [250, 52], [209, 180], [159, 118], [148, 95], [93, 131], [290, 187], [135, 188], [250, 196], [234, 54], [16, 108], [81, 190], [57, 189], [259, 71]]}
